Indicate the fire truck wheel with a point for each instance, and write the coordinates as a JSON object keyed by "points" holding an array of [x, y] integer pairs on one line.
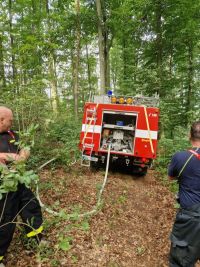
{"points": [[94, 166], [143, 172], [139, 171]]}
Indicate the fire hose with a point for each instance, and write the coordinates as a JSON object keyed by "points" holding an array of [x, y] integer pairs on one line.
{"points": [[99, 199]]}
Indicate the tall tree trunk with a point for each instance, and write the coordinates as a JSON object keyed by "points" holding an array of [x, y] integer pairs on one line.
{"points": [[107, 69], [170, 63], [102, 48], [124, 60], [52, 71], [159, 48], [190, 78], [136, 60], [37, 9], [77, 57], [107, 46], [88, 70], [14, 70], [53, 83], [2, 72]]}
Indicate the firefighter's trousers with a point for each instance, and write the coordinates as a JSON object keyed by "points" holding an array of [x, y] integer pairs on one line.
{"points": [[185, 238], [23, 203]]}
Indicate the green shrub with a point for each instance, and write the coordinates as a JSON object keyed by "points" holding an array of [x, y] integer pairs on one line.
{"points": [[58, 139], [167, 147]]}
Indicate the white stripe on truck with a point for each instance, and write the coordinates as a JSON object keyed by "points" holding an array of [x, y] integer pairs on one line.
{"points": [[138, 133], [145, 134], [91, 128]]}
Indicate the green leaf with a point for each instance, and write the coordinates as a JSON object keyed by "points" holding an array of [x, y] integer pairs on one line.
{"points": [[85, 226], [14, 175], [176, 205], [63, 215], [64, 243]]}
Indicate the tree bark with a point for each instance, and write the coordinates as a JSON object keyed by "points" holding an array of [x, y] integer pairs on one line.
{"points": [[53, 83], [102, 48], [14, 70], [159, 48], [190, 78], [88, 70], [124, 60], [52, 71], [2, 72], [106, 47], [77, 58]]}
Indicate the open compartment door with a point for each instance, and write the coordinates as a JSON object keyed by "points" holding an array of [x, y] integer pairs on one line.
{"points": [[118, 128]]}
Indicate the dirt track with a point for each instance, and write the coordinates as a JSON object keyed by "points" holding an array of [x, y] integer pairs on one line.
{"points": [[131, 230]]}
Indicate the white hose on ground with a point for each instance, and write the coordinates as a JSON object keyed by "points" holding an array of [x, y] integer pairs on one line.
{"points": [[89, 213], [37, 191]]}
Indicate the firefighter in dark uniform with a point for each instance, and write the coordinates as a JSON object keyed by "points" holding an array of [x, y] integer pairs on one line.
{"points": [[22, 202], [185, 236]]}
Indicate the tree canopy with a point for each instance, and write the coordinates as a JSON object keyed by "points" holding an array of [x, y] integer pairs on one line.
{"points": [[55, 53]]}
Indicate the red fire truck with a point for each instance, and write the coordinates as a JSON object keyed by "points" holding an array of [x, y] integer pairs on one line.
{"points": [[129, 125]]}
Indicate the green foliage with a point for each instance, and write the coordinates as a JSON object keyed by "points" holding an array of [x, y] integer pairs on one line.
{"points": [[27, 138], [10, 178], [55, 263], [167, 147], [15, 173], [65, 243], [122, 199], [58, 139], [151, 46], [173, 186], [85, 226], [140, 250], [45, 252], [65, 132]]}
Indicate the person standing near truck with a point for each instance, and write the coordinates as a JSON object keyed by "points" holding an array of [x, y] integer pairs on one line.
{"points": [[22, 202], [185, 235]]}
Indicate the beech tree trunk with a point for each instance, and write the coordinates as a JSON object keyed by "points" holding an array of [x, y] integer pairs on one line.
{"points": [[2, 72], [102, 48], [190, 79], [14, 70], [159, 48], [77, 57], [52, 72]]}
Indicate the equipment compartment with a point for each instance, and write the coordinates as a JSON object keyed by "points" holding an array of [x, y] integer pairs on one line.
{"points": [[118, 128]]}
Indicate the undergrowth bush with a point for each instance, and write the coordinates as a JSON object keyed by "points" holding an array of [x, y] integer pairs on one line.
{"points": [[166, 148], [57, 139]]}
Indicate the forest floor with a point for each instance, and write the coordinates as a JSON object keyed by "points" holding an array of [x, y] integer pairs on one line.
{"points": [[131, 230]]}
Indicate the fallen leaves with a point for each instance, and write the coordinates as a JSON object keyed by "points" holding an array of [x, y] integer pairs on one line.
{"points": [[131, 230]]}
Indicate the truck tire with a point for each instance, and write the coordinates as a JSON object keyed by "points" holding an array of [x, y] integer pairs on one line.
{"points": [[143, 172], [139, 171], [95, 165]]}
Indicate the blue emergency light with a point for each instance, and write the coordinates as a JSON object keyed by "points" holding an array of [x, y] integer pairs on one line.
{"points": [[109, 93]]}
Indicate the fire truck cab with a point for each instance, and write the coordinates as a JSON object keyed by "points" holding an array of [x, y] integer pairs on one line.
{"points": [[128, 124]]}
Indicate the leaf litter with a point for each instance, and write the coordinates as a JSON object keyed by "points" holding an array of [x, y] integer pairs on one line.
{"points": [[131, 229]]}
